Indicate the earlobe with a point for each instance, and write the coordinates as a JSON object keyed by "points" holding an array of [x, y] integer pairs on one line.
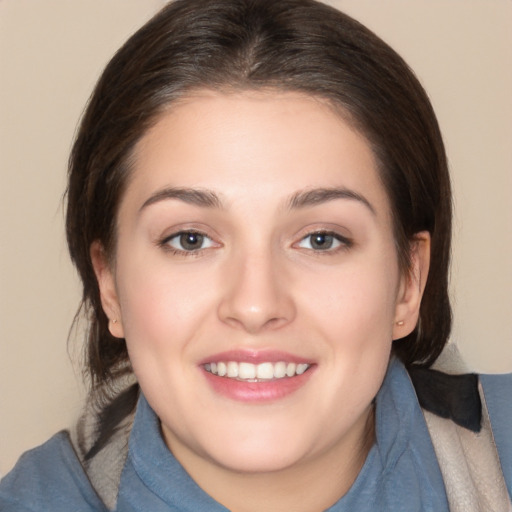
{"points": [[412, 287], [107, 287]]}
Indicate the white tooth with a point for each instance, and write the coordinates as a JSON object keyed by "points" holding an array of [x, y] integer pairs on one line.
{"points": [[208, 367], [280, 370], [232, 369], [301, 368], [290, 369], [221, 369], [213, 367], [246, 371], [265, 371]]}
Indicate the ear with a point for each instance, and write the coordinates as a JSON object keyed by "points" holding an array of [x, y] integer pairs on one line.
{"points": [[412, 285], [107, 286]]}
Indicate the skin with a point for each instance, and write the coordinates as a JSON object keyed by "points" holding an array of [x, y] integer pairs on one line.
{"points": [[258, 283]]}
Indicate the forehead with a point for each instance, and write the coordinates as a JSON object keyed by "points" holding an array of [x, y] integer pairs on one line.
{"points": [[265, 141]]}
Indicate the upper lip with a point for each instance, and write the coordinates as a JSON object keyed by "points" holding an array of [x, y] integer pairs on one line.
{"points": [[255, 357]]}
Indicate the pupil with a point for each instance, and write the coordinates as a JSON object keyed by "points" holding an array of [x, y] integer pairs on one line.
{"points": [[321, 241], [191, 241]]}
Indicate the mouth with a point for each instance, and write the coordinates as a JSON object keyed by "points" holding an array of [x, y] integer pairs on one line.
{"points": [[256, 376], [250, 372]]}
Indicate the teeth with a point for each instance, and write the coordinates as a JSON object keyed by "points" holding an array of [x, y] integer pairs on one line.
{"points": [[290, 369], [247, 371], [301, 368], [221, 369], [265, 371], [252, 372], [280, 370], [232, 370]]}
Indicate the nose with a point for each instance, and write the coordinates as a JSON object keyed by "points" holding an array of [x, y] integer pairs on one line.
{"points": [[255, 297]]}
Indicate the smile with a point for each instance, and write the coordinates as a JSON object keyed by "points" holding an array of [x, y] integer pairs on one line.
{"points": [[250, 372]]}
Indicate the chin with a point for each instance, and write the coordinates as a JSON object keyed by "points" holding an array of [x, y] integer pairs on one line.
{"points": [[260, 461], [257, 451]]}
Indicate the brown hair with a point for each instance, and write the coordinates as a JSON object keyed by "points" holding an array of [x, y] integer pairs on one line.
{"points": [[295, 45]]}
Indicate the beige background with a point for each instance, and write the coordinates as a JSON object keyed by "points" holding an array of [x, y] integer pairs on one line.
{"points": [[51, 52]]}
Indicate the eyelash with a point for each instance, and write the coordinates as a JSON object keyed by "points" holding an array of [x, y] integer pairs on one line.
{"points": [[344, 242], [165, 243]]}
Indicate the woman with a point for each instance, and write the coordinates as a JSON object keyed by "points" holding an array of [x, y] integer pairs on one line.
{"points": [[259, 208]]}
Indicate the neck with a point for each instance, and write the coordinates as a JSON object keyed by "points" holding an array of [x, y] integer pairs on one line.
{"points": [[327, 477]]}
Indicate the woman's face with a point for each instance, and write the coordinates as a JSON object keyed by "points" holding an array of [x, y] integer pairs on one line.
{"points": [[256, 280]]}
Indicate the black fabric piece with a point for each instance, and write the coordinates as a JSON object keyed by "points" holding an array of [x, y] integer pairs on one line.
{"points": [[111, 416], [450, 396]]}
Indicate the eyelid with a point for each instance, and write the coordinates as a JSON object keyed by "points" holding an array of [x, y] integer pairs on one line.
{"points": [[164, 242], [342, 242]]}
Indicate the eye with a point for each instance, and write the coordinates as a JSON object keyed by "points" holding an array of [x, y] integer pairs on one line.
{"points": [[323, 241], [188, 241]]}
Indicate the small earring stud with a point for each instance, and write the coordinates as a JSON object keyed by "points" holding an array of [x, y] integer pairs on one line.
{"points": [[400, 323], [114, 321]]}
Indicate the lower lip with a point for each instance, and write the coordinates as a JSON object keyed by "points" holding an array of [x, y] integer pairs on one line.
{"points": [[262, 391]]}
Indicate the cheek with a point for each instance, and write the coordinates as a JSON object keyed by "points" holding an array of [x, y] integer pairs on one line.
{"points": [[356, 318], [355, 300], [162, 308], [354, 310], [163, 316], [169, 312]]}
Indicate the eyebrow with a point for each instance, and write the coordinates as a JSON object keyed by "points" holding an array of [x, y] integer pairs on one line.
{"points": [[316, 196], [198, 197], [301, 199]]}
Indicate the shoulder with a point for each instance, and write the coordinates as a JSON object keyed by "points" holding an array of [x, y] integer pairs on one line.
{"points": [[497, 390], [49, 477]]}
